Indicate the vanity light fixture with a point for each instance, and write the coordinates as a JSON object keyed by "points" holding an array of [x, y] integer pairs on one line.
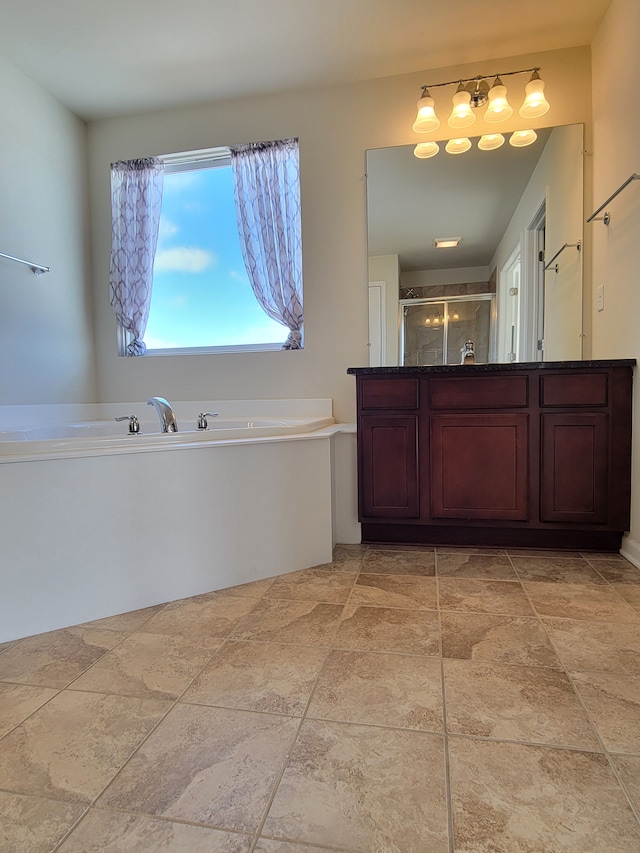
{"points": [[471, 94], [426, 120], [535, 103], [499, 108], [461, 114]]}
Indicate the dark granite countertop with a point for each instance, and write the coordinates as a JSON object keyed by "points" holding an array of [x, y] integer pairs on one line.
{"points": [[470, 369]]}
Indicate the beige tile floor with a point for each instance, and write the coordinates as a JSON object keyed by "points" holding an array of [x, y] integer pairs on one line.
{"points": [[408, 700]]}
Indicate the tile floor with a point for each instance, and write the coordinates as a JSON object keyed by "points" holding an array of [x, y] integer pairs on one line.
{"points": [[411, 700]]}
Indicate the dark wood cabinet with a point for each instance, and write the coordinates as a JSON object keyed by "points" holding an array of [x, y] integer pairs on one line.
{"points": [[389, 453], [533, 455]]}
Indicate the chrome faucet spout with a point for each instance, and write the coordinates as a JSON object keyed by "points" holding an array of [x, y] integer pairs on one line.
{"points": [[166, 415]]}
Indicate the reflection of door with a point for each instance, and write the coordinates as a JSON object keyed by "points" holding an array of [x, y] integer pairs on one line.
{"points": [[509, 290], [377, 337]]}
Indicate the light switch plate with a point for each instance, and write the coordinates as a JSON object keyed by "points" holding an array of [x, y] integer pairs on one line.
{"points": [[601, 298]]}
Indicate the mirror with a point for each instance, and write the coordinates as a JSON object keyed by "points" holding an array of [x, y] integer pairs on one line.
{"points": [[513, 210]]}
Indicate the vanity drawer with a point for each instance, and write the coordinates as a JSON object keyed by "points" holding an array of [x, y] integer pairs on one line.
{"points": [[392, 393], [479, 392], [578, 389]]}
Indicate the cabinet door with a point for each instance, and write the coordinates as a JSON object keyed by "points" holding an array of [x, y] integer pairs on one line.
{"points": [[479, 466], [574, 468], [389, 466]]}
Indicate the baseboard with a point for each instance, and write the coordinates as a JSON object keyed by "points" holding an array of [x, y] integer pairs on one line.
{"points": [[630, 549]]}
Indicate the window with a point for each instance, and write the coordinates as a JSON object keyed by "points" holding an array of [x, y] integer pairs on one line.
{"points": [[203, 295]]}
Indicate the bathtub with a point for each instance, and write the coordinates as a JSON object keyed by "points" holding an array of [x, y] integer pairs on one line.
{"points": [[96, 522], [111, 436]]}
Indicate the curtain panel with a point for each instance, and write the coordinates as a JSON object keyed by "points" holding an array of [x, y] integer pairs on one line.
{"points": [[136, 200], [267, 196]]}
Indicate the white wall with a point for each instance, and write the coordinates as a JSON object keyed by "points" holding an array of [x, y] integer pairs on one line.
{"points": [[461, 275], [46, 335], [616, 248], [335, 127], [564, 224], [556, 181]]}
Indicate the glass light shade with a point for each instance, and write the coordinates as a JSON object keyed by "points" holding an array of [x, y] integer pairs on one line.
{"points": [[490, 141], [423, 150], [461, 114], [535, 104], [522, 138], [426, 120], [499, 108], [458, 146]]}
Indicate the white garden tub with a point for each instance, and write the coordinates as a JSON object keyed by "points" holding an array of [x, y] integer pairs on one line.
{"points": [[94, 521]]}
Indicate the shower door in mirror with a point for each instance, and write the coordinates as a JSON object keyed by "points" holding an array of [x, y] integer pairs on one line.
{"points": [[434, 331]]}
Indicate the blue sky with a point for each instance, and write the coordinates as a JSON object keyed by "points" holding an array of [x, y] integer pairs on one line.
{"points": [[201, 294]]}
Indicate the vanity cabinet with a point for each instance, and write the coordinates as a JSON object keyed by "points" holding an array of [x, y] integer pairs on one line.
{"points": [[532, 455]]}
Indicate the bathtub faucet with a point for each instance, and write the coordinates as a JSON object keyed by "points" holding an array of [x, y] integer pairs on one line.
{"points": [[167, 417], [202, 419]]}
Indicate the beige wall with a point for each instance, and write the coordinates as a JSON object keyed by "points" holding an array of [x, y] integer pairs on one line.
{"points": [[335, 127], [387, 268], [616, 248], [46, 346]]}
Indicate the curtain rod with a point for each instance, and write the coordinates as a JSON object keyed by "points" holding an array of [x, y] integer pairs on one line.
{"points": [[36, 269]]}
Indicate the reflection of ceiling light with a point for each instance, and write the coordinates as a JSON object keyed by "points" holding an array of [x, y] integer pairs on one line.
{"points": [[521, 138], [426, 149], [426, 120], [535, 103], [458, 146], [490, 141], [447, 242]]}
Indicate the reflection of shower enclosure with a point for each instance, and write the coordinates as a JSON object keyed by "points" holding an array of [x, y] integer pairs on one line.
{"points": [[434, 331]]}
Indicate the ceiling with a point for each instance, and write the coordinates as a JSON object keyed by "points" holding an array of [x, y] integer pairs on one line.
{"points": [[103, 59], [411, 202]]}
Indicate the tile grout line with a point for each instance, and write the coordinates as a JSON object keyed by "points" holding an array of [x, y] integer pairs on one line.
{"points": [[303, 717], [153, 729], [445, 732], [567, 673]]}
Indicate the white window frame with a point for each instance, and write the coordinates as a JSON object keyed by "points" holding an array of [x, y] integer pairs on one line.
{"points": [[188, 161]]}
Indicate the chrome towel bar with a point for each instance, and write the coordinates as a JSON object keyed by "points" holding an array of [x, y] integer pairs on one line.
{"points": [[36, 269], [607, 216], [577, 246]]}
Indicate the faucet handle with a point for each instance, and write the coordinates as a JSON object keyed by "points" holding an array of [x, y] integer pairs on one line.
{"points": [[202, 418], [134, 423]]}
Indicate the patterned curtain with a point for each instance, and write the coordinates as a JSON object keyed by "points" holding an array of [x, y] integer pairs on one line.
{"points": [[267, 197], [136, 199]]}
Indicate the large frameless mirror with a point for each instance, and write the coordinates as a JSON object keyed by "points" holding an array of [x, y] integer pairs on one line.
{"points": [[510, 210]]}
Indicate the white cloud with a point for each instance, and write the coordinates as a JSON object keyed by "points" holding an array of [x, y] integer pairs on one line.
{"points": [[183, 259], [237, 275], [167, 229]]}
